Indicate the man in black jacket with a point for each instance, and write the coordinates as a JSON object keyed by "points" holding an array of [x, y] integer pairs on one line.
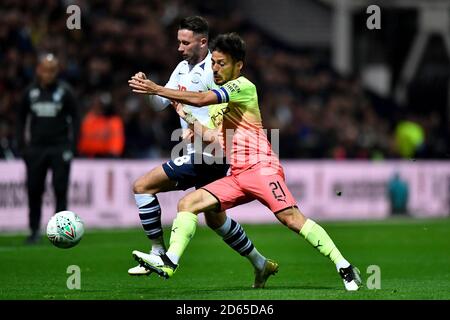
{"points": [[48, 125]]}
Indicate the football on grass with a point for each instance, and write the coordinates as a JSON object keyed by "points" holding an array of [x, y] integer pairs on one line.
{"points": [[65, 229]]}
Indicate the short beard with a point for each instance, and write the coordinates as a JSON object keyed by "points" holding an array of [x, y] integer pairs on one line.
{"points": [[194, 59]]}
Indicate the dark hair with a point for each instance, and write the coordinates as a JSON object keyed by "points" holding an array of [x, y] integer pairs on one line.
{"points": [[230, 43], [196, 24]]}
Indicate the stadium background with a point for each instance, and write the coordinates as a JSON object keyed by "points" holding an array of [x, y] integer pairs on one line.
{"points": [[335, 89], [353, 105]]}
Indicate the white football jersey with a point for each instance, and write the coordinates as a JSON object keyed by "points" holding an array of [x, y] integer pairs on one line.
{"points": [[198, 78]]}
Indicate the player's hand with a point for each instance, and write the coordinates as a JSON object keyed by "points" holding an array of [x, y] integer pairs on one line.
{"points": [[187, 134], [141, 75], [179, 109], [140, 85]]}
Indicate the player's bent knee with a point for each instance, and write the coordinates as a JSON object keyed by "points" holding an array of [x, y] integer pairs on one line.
{"points": [[292, 218], [186, 204], [286, 218], [198, 201], [145, 185], [139, 187]]}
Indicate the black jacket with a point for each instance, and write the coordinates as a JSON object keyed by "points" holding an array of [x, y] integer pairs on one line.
{"points": [[54, 117]]}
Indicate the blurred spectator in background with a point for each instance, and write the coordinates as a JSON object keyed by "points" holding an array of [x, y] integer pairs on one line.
{"points": [[47, 127], [398, 193], [102, 132], [320, 113], [409, 138]]}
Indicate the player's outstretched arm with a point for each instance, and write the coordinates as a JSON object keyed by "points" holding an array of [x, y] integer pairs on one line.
{"points": [[156, 102], [198, 99]]}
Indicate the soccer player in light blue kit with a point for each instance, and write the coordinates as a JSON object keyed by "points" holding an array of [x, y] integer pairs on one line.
{"points": [[194, 73]]}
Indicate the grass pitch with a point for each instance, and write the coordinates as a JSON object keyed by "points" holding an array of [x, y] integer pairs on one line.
{"points": [[413, 257]]}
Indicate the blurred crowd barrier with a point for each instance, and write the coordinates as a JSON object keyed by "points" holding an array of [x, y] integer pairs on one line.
{"points": [[101, 192]]}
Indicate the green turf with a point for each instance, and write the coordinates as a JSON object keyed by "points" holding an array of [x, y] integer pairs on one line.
{"points": [[413, 255]]}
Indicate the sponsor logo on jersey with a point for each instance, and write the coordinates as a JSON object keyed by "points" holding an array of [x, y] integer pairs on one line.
{"points": [[217, 118], [196, 78], [46, 108], [232, 87]]}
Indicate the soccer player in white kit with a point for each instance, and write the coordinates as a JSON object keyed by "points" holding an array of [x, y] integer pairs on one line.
{"points": [[194, 73]]}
